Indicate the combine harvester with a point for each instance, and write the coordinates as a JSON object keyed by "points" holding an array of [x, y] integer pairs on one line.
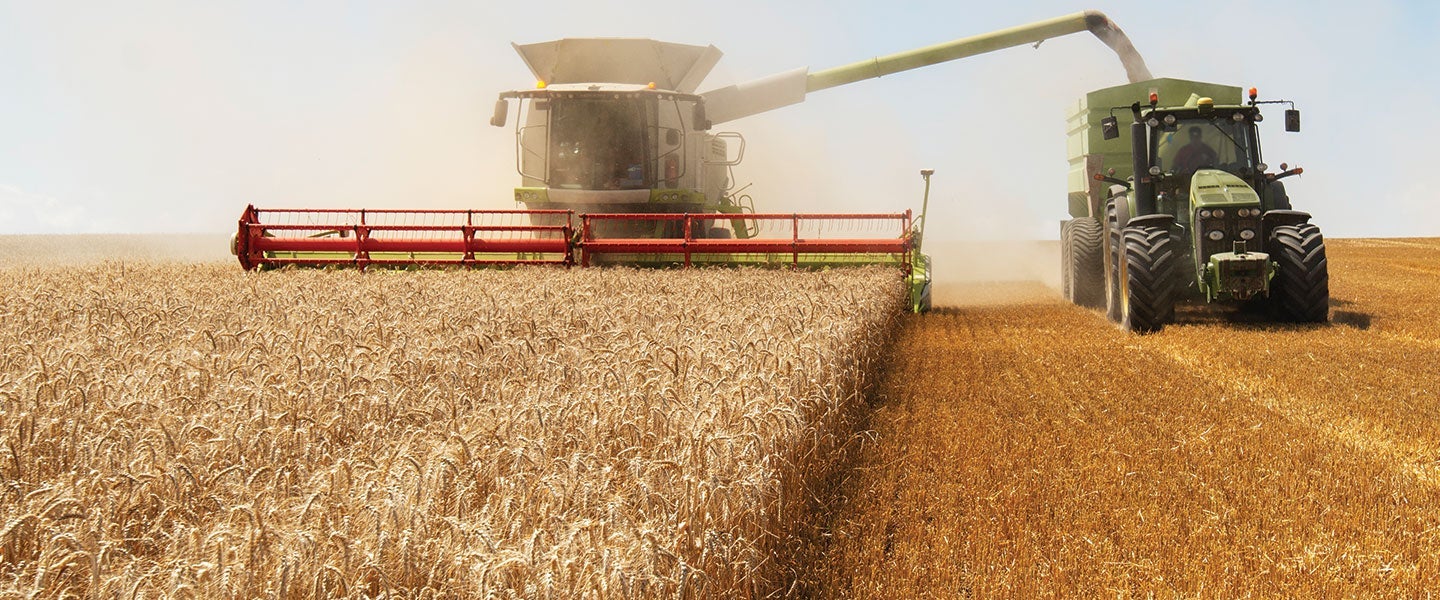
{"points": [[619, 166], [1179, 206]]}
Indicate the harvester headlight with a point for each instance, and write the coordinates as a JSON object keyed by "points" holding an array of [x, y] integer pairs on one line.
{"points": [[1204, 213], [1216, 235], [1155, 171], [1169, 120], [1237, 117], [1153, 122], [1219, 213], [1247, 234]]}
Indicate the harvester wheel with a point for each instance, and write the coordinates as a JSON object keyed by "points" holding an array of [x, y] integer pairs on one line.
{"points": [[1085, 263], [1149, 278], [1300, 290]]}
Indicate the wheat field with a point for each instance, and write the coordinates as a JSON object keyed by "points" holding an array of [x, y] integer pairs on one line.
{"points": [[1027, 449], [174, 430], [188, 430]]}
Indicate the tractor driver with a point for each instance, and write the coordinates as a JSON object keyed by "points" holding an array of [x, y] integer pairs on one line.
{"points": [[1195, 155]]}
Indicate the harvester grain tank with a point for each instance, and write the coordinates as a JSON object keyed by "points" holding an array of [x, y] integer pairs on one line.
{"points": [[615, 132], [1180, 206]]}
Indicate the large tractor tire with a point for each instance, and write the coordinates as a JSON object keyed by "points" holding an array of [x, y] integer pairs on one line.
{"points": [[1085, 263], [1067, 277], [1300, 290], [1113, 256], [1149, 278]]}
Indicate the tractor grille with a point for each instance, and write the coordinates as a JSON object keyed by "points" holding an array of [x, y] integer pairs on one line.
{"points": [[1231, 227]]}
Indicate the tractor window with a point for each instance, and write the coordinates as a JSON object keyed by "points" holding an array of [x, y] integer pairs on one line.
{"points": [[1217, 143], [599, 144]]}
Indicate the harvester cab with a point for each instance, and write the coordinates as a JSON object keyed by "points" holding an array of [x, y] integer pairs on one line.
{"points": [[1185, 208], [614, 126]]}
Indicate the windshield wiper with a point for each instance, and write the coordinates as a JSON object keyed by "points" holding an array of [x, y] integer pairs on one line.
{"points": [[1243, 151]]}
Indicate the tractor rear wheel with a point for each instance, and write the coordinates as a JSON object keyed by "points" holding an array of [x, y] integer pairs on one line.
{"points": [[1300, 290], [1114, 254], [1085, 263], [1067, 277], [1148, 278]]}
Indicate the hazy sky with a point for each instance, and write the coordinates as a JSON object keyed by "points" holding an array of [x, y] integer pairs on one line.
{"points": [[172, 116]]}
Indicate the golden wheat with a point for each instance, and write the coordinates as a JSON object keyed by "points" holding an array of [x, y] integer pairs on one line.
{"points": [[196, 431], [1032, 450]]}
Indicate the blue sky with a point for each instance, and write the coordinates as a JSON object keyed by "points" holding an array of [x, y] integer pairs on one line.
{"points": [[172, 116]]}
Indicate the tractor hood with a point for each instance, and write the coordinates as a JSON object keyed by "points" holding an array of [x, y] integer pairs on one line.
{"points": [[1211, 187], [638, 61]]}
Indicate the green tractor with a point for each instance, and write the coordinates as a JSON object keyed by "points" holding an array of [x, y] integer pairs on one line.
{"points": [[1181, 208]]}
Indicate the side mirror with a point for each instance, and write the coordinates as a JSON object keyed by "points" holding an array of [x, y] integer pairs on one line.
{"points": [[1292, 120], [1110, 128], [498, 118], [700, 122]]}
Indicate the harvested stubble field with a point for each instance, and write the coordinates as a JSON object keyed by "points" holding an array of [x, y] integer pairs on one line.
{"points": [[196, 431], [1025, 448], [191, 430]]}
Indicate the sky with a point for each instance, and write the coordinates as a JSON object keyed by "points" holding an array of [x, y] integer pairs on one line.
{"points": [[153, 117]]}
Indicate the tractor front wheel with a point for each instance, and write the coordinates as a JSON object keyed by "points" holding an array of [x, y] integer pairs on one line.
{"points": [[1300, 290], [1148, 278]]}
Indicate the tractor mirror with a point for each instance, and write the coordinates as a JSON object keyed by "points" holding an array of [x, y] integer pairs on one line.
{"points": [[1292, 120], [701, 122], [1110, 128], [498, 119]]}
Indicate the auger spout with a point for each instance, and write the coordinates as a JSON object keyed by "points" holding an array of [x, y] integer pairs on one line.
{"points": [[783, 89]]}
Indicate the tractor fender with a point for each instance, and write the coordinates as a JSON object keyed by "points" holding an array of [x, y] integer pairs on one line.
{"points": [[1158, 221], [1277, 218]]}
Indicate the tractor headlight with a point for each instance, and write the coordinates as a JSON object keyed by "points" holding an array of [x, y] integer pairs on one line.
{"points": [[1247, 234], [1262, 167], [1242, 212], [1204, 213], [1237, 117], [1216, 235], [1155, 171], [1219, 213], [1153, 122], [1259, 117], [1169, 120]]}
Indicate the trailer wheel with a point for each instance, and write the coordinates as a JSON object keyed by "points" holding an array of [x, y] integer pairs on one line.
{"points": [[1149, 278], [1300, 290], [1085, 262]]}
